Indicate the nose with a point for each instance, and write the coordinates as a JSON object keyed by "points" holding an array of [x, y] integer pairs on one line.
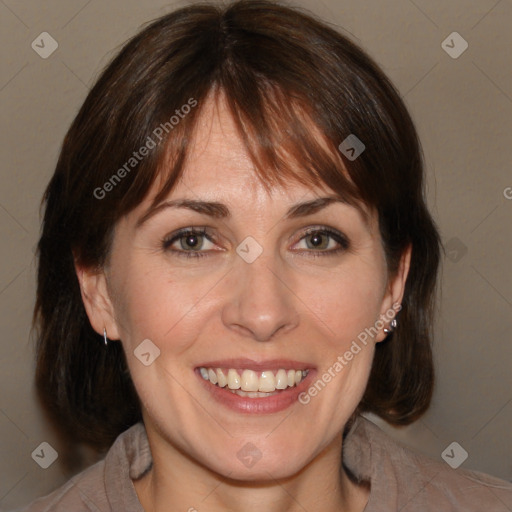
{"points": [[260, 303]]}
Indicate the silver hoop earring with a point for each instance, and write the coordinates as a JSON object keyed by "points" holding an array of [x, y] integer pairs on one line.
{"points": [[392, 326], [105, 336]]}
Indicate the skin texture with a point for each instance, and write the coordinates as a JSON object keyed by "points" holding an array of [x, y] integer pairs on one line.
{"points": [[292, 302]]}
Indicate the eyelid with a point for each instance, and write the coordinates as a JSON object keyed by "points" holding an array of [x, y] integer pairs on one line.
{"points": [[173, 237], [335, 234], [340, 238]]}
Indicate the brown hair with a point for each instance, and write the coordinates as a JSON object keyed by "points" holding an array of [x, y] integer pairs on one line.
{"points": [[280, 71]]}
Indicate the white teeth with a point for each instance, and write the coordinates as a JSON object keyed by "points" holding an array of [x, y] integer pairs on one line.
{"points": [[253, 384], [250, 381], [212, 376], [267, 382], [281, 379], [233, 379], [221, 378], [252, 394]]}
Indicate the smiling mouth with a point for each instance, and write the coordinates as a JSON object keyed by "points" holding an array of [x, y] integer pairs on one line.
{"points": [[253, 384]]}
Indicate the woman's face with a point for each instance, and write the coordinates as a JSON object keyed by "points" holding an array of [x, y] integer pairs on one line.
{"points": [[259, 289]]}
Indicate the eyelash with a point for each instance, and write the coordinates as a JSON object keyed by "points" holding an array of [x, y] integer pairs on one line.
{"points": [[203, 231]]}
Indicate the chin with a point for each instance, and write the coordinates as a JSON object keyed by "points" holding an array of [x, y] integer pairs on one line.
{"points": [[261, 472], [250, 464]]}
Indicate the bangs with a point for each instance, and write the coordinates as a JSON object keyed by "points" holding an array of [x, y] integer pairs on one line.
{"points": [[292, 101], [280, 136]]}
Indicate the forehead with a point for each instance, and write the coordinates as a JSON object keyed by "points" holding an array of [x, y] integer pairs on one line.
{"points": [[221, 163], [218, 160], [217, 156]]}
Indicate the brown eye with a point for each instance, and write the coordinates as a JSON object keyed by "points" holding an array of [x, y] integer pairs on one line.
{"points": [[192, 241], [317, 241], [188, 242], [325, 241]]}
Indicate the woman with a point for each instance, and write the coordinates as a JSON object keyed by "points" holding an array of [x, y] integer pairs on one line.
{"points": [[236, 262]]}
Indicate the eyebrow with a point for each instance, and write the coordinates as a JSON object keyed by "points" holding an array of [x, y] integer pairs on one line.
{"points": [[220, 211]]}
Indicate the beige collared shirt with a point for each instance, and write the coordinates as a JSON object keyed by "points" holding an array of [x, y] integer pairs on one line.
{"points": [[400, 479]]}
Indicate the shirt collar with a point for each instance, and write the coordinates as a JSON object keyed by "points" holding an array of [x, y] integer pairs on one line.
{"points": [[130, 458]]}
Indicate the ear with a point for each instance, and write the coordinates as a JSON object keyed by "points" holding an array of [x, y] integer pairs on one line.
{"points": [[392, 299], [97, 301]]}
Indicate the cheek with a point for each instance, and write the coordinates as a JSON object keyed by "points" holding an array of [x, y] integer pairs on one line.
{"points": [[346, 307], [161, 304], [142, 308], [347, 302]]}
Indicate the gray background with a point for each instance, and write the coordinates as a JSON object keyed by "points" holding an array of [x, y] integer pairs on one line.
{"points": [[462, 108]]}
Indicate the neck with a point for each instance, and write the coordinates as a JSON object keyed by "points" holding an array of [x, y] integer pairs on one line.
{"points": [[178, 483]]}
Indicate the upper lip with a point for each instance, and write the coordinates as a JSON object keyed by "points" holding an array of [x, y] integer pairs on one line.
{"points": [[251, 364]]}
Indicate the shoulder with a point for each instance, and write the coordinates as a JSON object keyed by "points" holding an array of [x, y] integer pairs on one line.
{"points": [[107, 485], [407, 481], [83, 493]]}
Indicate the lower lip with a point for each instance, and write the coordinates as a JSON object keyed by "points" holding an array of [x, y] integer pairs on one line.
{"points": [[264, 405]]}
